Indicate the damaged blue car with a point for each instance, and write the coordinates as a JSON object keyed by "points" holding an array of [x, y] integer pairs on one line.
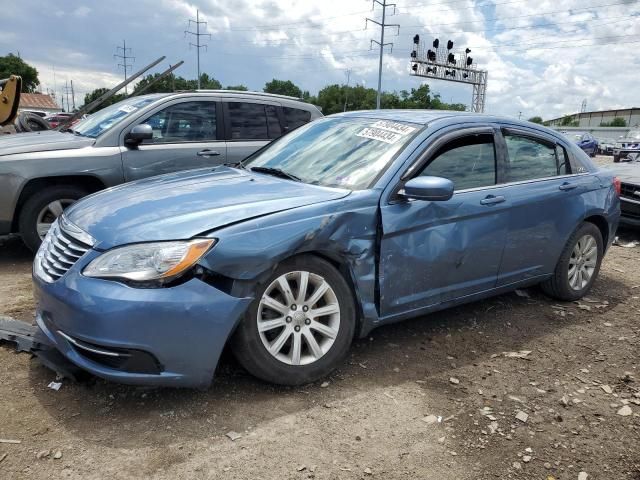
{"points": [[350, 222]]}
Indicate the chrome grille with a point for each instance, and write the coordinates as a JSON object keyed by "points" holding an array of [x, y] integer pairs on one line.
{"points": [[629, 191], [60, 250]]}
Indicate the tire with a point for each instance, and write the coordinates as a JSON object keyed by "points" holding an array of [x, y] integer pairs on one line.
{"points": [[616, 159], [560, 285], [30, 122], [249, 345], [33, 207]]}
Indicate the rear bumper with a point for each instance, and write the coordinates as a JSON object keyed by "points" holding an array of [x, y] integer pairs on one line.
{"points": [[161, 337]]}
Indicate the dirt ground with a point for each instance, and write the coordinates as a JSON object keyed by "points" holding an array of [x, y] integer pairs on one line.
{"points": [[453, 395]]}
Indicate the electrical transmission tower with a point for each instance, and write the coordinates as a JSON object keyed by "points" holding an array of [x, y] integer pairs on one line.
{"points": [[123, 53], [383, 25], [197, 35], [69, 89]]}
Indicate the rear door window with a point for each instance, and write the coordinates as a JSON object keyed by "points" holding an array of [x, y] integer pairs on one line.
{"points": [[529, 159], [248, 121], [295, 117]]}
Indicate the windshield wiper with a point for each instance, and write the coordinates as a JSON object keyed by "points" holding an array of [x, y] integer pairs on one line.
{"points": [[276, 172]]}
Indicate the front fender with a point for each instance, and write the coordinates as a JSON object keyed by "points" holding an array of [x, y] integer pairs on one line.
{"points": [[343, 231]]}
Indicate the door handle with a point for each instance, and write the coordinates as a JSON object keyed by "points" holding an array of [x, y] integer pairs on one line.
{"points": [[208, 153], [567, 186], [492, 200]]}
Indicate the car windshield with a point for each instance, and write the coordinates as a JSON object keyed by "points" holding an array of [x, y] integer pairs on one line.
{"points": [[634, 134], [104, 119], [337, 152]]}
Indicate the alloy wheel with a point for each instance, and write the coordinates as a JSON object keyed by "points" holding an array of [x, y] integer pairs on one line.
{"points": [[49, 214], [583, 261], [298, 318]]}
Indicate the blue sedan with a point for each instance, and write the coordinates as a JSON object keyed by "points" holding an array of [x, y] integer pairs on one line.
{"points": [[345, 224]]}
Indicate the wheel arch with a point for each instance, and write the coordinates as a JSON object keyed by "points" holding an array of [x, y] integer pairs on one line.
{"points": [[90, 183], [601, 222]]}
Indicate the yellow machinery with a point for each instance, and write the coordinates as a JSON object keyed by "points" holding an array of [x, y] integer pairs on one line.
{"points": [[9, 98]]}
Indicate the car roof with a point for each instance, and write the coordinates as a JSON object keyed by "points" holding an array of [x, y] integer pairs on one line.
{"points": [[425, 117]]}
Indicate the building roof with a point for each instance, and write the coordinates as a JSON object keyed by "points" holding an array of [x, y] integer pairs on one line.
{"points": [[37, 101], [595, 112]]}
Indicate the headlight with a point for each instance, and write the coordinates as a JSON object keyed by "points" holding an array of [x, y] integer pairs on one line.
{"points": [[149, 261]]}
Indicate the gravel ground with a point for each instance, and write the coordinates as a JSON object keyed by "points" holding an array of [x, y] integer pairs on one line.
{"points": [[518, 387]]}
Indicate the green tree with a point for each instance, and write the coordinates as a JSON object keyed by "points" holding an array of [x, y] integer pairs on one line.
{"points": [[239, 87], [568, 121], [283, 87], [536, 119], [14, 65], [94, 95], [616, 122]]}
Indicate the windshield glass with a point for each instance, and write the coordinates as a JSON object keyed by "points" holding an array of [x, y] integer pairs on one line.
{"points": [[337, 152], [577, 136], [634, 134], [104, 119]]}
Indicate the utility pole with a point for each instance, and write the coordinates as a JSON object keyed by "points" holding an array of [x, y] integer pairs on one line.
{"points": [[346, 92], [197, 35], [66, 92], [124, 56], [381, 44], [519, 115], [73, 96]]}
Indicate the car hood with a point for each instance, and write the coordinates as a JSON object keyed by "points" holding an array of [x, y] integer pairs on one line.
{"points": [[186, 204], [44, 141], [627, 172]]}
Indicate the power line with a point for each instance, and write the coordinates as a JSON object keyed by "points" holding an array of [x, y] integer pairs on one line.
{"points": [[197, 35], [383, 25], [124, 56]]}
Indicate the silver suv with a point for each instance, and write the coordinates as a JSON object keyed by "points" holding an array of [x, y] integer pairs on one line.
{"points": [[42, 173]]}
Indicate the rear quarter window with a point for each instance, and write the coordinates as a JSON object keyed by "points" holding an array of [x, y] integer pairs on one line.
{"points": [[295, 117]]}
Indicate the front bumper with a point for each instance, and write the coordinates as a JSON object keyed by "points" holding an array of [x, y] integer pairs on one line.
{"points": [[629, 212], [161, 337]]}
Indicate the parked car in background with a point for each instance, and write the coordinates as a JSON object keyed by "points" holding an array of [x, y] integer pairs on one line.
{"points": [[40, 113], [56, 120], [43, 173], [350, 222], [605, 146], [629, 175], [585, 141], [627, 148]]}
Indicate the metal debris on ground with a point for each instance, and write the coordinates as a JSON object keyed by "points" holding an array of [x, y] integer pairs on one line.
{"points": [[8, 440], [520, 354], [632, 244], [55, 385], [233, 436], [522, 416]]}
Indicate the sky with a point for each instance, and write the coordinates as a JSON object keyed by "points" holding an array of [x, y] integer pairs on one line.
{"points": [[543, 57]]}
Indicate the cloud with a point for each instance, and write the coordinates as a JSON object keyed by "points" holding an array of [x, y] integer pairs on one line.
{"points": [[543, 57]]}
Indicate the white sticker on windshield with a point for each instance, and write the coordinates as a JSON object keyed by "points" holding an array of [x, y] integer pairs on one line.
{"points": [[379, 134], [394, 127], [127, 108]]}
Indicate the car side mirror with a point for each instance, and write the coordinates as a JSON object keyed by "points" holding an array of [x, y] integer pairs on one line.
{"points": [[428, 188], [138, 134]]}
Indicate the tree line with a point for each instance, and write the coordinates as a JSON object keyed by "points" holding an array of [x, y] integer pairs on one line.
{"points": [[331, 99]]}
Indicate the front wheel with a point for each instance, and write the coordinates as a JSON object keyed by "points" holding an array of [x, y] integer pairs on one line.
{"points": [[578, 265], [300, 325], [42, 209]]}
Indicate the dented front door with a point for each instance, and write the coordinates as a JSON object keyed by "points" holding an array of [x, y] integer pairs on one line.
{"points": [[432, 252]]}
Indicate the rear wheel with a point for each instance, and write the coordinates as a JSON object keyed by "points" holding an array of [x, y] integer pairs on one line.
{"points": [[42, 209], [300, 325], [578, 266]]}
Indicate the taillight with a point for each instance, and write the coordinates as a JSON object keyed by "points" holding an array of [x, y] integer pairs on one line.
{"points": [[616, 185]]}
